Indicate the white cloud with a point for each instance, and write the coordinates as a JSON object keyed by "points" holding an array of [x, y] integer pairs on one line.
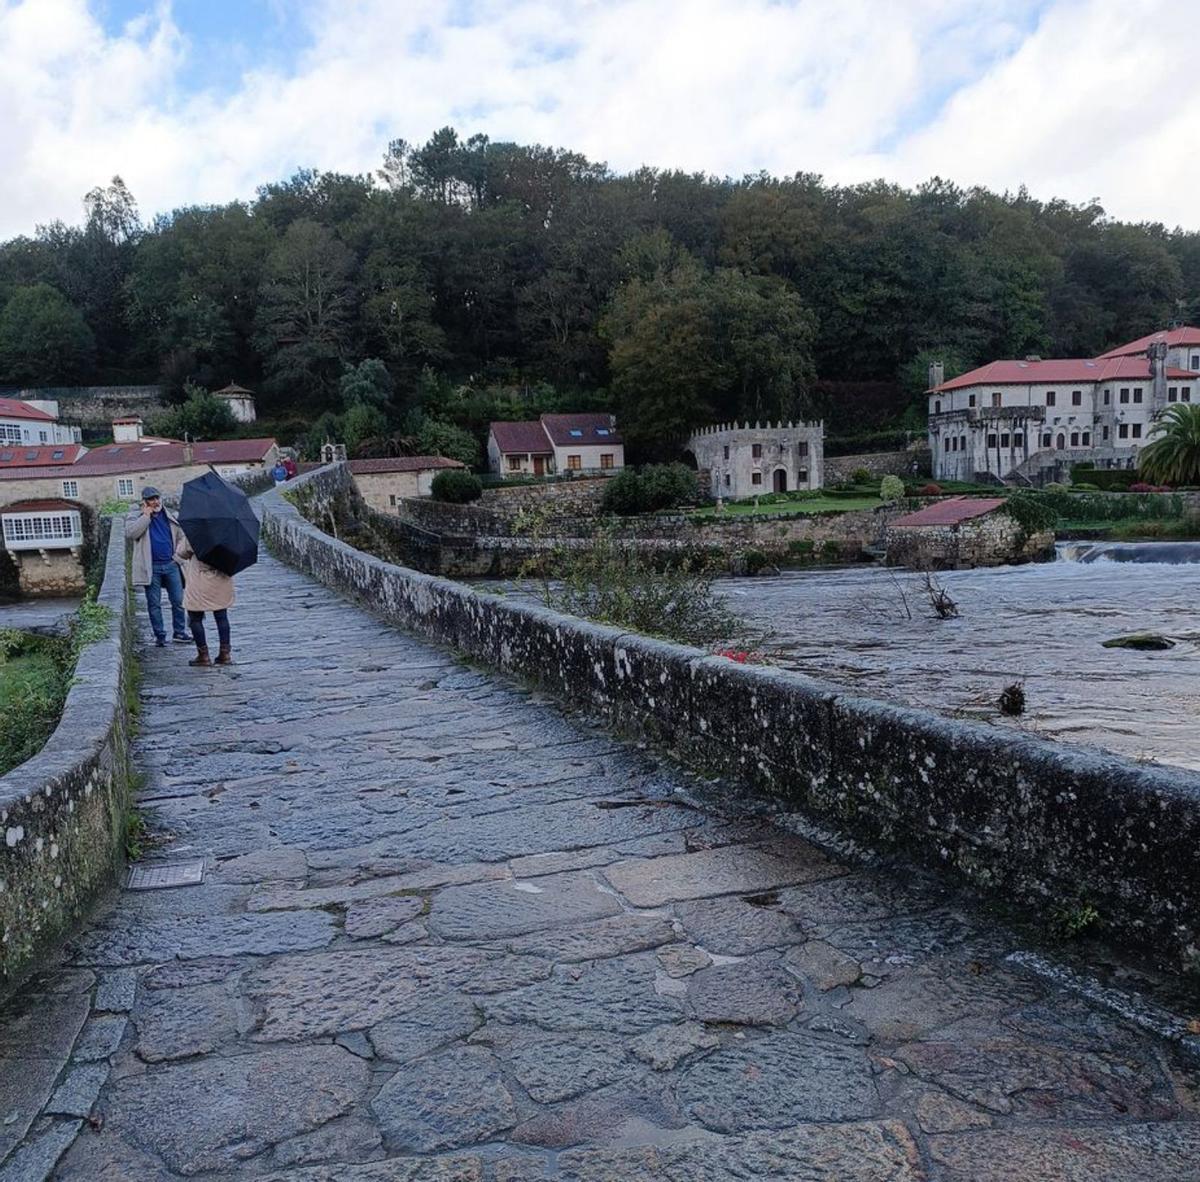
{"points": [[1081, 105]]}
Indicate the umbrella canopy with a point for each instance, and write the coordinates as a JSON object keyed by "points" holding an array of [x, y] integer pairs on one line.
{"points": [[219, 524]]}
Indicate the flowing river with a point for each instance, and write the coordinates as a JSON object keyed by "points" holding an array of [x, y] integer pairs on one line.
{"points": [[1041, 625]]}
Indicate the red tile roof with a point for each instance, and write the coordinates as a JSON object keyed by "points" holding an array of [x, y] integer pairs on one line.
{"points": [[46, 506], [1065, 370], [13, 408], [116, 458], [953, 511], [1185, 334], [566, 430], [13, 455], [521, 438], [403, 464]]}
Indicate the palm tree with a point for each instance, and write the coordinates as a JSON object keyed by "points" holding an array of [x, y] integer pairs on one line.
{"points": [[1173, 456]]}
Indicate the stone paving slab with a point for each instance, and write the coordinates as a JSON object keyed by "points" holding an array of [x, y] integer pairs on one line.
{"points": [[450, 932]]}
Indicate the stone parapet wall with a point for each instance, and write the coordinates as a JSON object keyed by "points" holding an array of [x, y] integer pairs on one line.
{"points": [[97, 406], [581, 497], [908, 463], [1046, 824], [62, 813]]}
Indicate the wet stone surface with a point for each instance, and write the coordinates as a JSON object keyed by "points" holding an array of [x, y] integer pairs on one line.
{"points": [[428, 949]]}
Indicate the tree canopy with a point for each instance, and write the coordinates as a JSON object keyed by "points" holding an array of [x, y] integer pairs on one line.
{"points": [[490, 276]]}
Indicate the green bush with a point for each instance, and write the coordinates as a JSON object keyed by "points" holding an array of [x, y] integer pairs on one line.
{"points": [[1081, 486], [1114, 480], [860, 476], [456, 486], [1088, 506], [1031, 512], [891, 488], [655, 487]]}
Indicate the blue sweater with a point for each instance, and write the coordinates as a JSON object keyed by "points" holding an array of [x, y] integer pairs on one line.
{"points": [[162, 545]]}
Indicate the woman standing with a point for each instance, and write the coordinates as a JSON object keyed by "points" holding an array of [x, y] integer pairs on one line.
{"points": [[205, 590]]}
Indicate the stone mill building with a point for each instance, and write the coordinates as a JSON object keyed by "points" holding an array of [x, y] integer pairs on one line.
{"points": [[743, 461]]}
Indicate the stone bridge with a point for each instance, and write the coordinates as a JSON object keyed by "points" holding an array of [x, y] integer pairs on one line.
{"points": [[451, 932]]}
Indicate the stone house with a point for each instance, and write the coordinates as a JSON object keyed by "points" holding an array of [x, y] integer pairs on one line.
{"points": [[744, 461], [556, 443], [119, 471], [963, 532], [1028, 421], [33, 423], [45, 539], [383, 482]]}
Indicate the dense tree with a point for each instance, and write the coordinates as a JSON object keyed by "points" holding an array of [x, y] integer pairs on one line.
{"points": [[199, 416], [43, 339], [496, 279], [306, 313]]}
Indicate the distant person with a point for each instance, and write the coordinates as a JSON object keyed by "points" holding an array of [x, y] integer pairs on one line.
{"points": [[279, 472], [289, 466], [207, 590], [154, 532]]}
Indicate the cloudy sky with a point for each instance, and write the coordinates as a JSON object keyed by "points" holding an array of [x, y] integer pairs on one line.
{"points": [[195, 101]]}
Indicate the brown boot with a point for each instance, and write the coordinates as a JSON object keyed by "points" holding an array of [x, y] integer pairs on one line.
{"points": [[201, 657], [224, 656]]}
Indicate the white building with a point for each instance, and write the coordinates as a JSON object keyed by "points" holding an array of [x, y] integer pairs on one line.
{"points": [[747, 460], [240, 402], [34, 422], [1030, 420], [556, 443]]}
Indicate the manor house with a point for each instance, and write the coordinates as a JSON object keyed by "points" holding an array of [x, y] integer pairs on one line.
{"points": [[1029, 421], [746, 460]]}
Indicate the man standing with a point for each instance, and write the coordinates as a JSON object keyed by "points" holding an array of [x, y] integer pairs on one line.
{"points": [[155, 533]]}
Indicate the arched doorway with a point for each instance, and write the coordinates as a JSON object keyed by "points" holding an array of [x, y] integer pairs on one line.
{"points": [[1060, 443], [779, 480]]}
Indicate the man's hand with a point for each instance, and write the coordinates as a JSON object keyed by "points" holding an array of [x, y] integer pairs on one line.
{"points": [[147, 510]]}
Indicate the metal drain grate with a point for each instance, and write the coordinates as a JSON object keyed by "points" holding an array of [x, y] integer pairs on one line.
{"points": [[153, 876]]}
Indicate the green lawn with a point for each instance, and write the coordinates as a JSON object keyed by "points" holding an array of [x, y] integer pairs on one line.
{"points": [[815, 505], [31, 688]]}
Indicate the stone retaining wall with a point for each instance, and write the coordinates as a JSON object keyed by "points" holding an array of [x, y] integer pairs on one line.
{"points": [[581, 497], [62, 813], [908, 463], [1046, 824]]}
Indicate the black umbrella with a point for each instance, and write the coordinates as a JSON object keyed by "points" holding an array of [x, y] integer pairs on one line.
{"points": [[219, 524]]}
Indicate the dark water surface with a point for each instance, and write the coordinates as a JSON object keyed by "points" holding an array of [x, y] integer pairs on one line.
{"points": [[1042, 625]]}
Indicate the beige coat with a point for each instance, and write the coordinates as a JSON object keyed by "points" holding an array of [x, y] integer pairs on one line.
{"points": [[137, 530], [204, 589]]}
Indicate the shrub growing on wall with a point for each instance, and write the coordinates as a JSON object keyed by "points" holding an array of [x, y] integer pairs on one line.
{"points": [[456, 486], [655, 487]]}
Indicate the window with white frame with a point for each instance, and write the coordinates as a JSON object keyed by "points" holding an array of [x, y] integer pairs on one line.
{"points": [[8, 431], [38, 531], [70, 488], [124, 487]]}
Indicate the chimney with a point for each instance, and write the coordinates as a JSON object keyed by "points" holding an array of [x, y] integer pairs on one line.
{"points": [[937, 374], [1158, 374], [128, 430]]}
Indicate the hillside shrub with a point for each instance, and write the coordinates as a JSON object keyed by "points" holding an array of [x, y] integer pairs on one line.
{"points": [[456, 486]]}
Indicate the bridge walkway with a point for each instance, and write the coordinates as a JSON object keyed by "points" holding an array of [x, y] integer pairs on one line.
{"points": [[449, 933]]}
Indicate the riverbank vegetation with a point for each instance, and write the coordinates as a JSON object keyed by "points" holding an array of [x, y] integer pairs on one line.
{"points": [[35, 676]]}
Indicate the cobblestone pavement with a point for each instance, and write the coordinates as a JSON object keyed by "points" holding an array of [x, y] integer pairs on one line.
{"points": [[449, 933]]}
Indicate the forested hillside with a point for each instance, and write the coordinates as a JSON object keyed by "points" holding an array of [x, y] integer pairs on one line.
{"points": [[537, 279]]}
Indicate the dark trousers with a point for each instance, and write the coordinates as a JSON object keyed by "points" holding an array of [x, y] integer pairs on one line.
{"points": [[196, 621], [165, 574]]}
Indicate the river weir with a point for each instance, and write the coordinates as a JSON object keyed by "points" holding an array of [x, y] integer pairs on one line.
{"points": [[1042, 625]]}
